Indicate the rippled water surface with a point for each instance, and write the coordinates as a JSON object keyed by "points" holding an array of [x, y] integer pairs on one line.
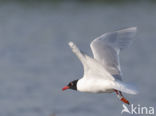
{"points": [[36, 62]]}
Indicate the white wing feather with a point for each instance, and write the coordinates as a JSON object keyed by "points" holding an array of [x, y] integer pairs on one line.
{"points": [[91, 67], [106, 48]]}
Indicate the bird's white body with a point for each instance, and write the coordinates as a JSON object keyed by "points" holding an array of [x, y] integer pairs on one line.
{"points": [[102, 73], [95, 85]]}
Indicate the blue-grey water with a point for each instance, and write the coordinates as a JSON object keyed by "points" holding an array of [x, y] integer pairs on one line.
{"points": [[36, 62]]}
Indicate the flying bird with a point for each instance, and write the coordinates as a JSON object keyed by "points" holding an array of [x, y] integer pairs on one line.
{"points": [[102, 73]]}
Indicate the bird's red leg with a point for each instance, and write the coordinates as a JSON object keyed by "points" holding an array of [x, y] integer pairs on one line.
{"points": [[121, 97]]}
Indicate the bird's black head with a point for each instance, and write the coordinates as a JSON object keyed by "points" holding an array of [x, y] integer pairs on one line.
{"points": [[72, 85]]}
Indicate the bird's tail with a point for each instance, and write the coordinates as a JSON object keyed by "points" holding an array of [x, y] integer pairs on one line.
{"points": [[125, 87]]}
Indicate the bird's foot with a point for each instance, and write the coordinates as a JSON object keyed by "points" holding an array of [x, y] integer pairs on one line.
{"points": [[125, 100], [121, 97]]}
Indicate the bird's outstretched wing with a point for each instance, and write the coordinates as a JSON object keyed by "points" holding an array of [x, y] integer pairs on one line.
{"points": [[106, 48], [91, 67], [81, 56]]}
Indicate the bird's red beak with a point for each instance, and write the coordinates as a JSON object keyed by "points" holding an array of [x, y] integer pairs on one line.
{"points": [[65, 88]]}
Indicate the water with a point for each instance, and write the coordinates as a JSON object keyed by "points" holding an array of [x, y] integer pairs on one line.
{"points": [[36, 62]]}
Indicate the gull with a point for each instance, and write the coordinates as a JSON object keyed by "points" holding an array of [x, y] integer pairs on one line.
{"points": [[102, 73]]}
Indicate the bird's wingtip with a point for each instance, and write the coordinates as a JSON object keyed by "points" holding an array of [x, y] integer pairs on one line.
{"points": [[131, 30], [70, 43]]}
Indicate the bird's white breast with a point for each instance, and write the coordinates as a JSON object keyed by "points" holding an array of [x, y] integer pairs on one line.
{"points": [[94, 85]]}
